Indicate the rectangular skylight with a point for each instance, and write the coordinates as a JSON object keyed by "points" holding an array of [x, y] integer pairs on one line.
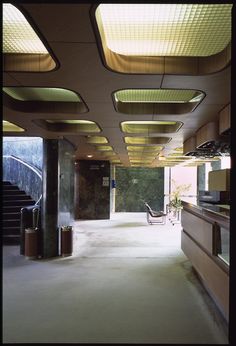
{"points": [[68, 125], [108, 154], [157, 101], [42, 94], [154, 148], [150, 127], [10, 127], [141, 160], [71, 121], [18, 35], [96, 140], [158, 95], [165, 29], [147, 140], [104, 148], [179, 149]]}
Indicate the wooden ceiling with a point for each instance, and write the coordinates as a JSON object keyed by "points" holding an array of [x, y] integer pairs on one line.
{"points": [[69, 32]]}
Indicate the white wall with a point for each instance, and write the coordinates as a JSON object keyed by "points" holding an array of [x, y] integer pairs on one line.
{"points": [[184, 176]]}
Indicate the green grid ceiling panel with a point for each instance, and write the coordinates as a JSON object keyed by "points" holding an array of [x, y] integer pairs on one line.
{"points": [[158, 95], [42, 94]]}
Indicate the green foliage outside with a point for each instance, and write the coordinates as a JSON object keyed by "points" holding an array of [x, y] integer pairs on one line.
{"points": [[134, 186]]}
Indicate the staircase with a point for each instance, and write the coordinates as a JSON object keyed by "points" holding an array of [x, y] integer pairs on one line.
{"points": [[13, 200]]}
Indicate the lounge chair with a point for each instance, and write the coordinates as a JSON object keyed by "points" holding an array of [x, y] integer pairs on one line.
{"points": [[155, 216]]}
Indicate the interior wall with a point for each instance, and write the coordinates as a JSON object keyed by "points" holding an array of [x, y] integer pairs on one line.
{"points": [[29, 149], [184, 178], [92, 189], [134, 186]]}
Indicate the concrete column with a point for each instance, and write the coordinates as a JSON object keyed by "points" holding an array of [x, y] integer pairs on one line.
{"points": [[201, 172], [216, 165], [49, 210]]}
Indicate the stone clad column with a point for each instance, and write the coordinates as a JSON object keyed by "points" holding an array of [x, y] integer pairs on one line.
{"points": [[49, 211], [113, 189]]}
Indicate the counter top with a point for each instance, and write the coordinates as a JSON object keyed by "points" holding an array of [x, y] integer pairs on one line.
{"points": [[214, 212], [221, 209]]}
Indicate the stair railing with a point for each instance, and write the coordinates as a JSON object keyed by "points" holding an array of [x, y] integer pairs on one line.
{"points": [[23, 174]]}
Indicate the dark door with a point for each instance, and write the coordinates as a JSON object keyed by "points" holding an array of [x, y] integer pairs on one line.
{"points": [[92, 190]]}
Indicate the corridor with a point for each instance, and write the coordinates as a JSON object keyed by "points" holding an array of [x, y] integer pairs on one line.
{"points": [[127, 282]]}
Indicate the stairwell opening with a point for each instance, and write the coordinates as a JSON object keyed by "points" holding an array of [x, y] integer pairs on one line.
{"points": [[22, 182]]}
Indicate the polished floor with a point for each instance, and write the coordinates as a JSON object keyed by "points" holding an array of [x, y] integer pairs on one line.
{"points": [[126, 282]]}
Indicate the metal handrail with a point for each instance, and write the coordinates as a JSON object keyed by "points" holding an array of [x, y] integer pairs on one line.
{"points": [[38, 201], [31, 167]]}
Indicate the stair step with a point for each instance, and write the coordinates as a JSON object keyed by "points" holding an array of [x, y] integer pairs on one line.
{"points": [[10, 216], [14, 200], [10, 188], [17, 206], [11, 223], [13, 209], [11, 230], [7, 198], [13, 192], [19, 202]]}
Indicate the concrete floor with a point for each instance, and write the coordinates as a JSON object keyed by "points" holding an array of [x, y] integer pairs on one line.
{"points": [[127, 282]]}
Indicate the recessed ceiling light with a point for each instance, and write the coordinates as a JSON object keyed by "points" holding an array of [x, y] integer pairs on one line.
{"points": [[179, 149], [164, 29], [10, 127], [43, 100], [147, 140], [104, 148], [158, 96], [146, 148], [18, 35], [42, 94], [150, 127], [115, 161], [89, 156], [141, 160], [108, 154], [68, 125], [70, 121], [96, 140], [157, 101]]}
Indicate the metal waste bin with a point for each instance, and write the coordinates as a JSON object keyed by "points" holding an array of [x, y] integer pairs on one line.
{"points": [[31, 243], [66, 241], [32, 236]]}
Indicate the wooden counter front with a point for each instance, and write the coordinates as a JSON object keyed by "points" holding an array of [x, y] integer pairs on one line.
{"points": [[199, 241]]}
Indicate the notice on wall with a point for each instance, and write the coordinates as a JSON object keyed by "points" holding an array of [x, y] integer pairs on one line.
{"points": [[105, 181], [94, 167]]}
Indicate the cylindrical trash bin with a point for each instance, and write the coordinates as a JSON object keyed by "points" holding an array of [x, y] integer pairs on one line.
{"points": [[66, 241], [23, 218], [31, 243]]}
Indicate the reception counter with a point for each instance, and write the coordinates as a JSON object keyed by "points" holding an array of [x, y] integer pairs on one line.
{"points": [[205, 241]]}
